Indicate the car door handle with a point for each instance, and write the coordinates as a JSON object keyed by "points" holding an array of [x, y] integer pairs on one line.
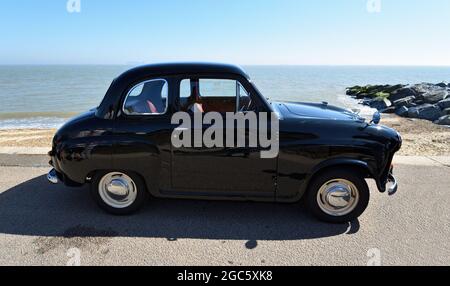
{"points": [[181, 129]]}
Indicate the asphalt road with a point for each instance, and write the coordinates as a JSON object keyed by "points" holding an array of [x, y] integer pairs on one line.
{"points": [[42, 224]]}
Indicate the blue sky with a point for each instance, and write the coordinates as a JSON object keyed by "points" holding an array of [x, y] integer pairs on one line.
{"points": [[309, 32]]}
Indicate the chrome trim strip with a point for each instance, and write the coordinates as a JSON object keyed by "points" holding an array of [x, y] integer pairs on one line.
{"points": [[393, 189]]}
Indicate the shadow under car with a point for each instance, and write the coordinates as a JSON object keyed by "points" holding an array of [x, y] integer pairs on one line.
{"points": [[36, 208]]}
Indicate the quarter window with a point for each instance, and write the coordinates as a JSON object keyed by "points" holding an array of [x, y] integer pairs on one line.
{"points": [[147, 98]]}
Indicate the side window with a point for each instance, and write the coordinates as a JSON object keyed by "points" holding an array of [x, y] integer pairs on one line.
{"points": [[218, 88], [185, 88], [212, 95], [147, 98]]}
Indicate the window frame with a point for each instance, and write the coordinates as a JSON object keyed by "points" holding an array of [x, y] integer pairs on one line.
{"points": [[146, 114], [238, 95]]}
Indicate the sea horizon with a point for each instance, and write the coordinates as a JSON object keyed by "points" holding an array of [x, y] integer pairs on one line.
{"points": [[241, 65], [41, 96]]}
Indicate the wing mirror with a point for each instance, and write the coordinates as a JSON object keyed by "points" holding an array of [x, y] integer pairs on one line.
{"points": [[376, 118]]}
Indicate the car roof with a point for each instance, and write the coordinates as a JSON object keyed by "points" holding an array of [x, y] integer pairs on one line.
{"points": [[137, 74], [184, 68]]}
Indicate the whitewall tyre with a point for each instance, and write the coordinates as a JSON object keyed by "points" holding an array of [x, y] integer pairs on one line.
{"points": [[119, 193]]}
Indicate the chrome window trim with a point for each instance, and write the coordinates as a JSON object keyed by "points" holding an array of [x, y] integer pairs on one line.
{"points": [[146, 114]]}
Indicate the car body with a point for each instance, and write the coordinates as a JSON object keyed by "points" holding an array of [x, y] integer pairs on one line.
{"points": [[120, 138]]}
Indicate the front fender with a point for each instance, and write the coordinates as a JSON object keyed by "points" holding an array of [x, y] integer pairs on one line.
{"points": [[369, 167], [360, 164]]}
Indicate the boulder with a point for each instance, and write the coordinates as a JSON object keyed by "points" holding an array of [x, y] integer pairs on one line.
{"points": [[353, 90], [443, 84], [426, 111], [424, 101], [444, 120], [380, 103], [370, 91], [389, 110], [393, 88], [402, 93], [382, 95], [434, 96], [361, 95], [402, 111], [407, 101], [422, 88], [373, 90], [366, 101], [443, 104]]}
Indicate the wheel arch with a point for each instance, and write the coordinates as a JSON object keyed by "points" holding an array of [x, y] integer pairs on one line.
{"points": [[355, 164], [92, 173]]}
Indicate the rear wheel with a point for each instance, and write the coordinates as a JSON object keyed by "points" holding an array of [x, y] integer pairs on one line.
{"points": [[338, 196], [119, 193]]}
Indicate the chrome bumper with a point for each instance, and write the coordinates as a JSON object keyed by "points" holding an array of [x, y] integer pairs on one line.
{"points": [[52, 177], [394, 186]]}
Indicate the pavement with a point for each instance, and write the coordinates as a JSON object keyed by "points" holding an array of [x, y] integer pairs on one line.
{"points": [[43, 224]]}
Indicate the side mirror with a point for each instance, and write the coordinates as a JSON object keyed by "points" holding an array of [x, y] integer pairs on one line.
{"points": [[376, 118]]}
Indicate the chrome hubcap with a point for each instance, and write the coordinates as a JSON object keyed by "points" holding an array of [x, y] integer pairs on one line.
{"points": [[117, 190], [338, 197]]}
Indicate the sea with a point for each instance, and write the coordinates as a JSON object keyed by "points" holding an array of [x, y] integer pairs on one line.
{"points": [[41, 97]]}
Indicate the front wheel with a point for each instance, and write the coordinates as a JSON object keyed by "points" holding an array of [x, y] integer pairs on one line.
{"points": [[338, 196], [119, 193]]}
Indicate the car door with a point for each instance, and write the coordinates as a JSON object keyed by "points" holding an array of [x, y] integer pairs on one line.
{"points": [[142, 133], [223, 171]]}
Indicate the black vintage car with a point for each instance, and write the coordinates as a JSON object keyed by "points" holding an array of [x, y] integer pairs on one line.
{"points": [[123, 147]]}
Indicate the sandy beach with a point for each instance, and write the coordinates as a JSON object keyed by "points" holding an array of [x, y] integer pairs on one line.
{"points": [[27, 137], [420, 137]]}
